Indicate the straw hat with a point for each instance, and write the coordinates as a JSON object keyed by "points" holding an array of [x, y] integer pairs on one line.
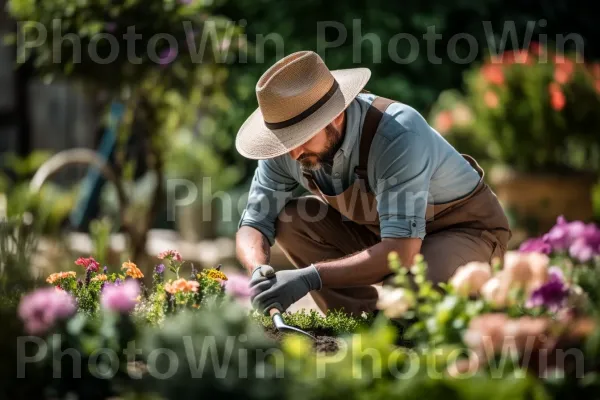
{"points": [[298, 97]]}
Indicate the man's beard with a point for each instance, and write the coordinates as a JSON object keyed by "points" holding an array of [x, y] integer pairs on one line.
{"points": [[334, 140]]}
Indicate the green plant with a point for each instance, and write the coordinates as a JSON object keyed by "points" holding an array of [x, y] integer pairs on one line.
{"points": [[164, 84], [100, 231], [221, 353], [335, 322], [531, 110]]}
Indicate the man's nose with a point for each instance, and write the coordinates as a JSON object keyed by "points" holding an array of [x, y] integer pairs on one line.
{"points": [[296, 153]]}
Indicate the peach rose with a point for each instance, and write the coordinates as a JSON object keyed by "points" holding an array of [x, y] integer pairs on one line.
{"points": [[470, 278], [395, 301], [526, 270], [493, 292]]}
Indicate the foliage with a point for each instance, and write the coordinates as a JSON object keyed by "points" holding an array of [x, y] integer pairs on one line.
{"points": [[203, 289], [371, 366], [531, 110], [221, 353], [335, 322]]}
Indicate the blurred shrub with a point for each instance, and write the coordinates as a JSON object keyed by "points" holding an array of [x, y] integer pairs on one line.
{"points": [[220, 354], [531, 110]]}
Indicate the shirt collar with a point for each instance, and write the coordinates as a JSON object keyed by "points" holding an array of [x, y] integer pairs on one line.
{"points": [[353, 114]]}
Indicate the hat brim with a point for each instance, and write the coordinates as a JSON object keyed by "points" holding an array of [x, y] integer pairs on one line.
{"points": [[255, 141]]}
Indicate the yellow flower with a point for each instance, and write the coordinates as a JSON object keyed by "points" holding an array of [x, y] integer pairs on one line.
{"points": [[99, 278], [60, 275], [215, 275], [132, 270]]}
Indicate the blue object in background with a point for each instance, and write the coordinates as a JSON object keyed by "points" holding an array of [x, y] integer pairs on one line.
{"points": [[87, 205]]}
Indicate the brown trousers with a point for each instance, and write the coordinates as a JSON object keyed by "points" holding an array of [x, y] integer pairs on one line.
{"points": [[470, 229]]}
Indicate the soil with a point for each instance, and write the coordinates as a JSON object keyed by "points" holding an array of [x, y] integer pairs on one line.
{"points": [[324, 343]]}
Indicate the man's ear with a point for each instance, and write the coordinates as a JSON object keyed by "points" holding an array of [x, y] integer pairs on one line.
{"points": [[339, 119]]}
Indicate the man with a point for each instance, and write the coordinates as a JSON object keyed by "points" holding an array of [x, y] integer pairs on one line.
{"points": [[382, 180]]}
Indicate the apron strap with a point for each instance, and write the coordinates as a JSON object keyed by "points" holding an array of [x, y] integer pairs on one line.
{"points": [[372, 119]]}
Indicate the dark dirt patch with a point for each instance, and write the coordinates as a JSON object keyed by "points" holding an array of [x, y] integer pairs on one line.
{"points": [[325, 343]]}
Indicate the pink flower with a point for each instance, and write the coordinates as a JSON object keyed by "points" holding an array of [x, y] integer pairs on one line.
{"points": [[535, 245], [41, 309], [470, 278], [170, 254], [167, 56], [88, 263], [122, 298], [237, 285]]}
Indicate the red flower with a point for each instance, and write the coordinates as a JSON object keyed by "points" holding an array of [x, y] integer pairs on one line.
{"points": [[493, 74], [557, 97], [564, 70], [516, 57], [491, 99], [536, 48], [596, 71], [88, 263], [597, 85], [443, 122]]}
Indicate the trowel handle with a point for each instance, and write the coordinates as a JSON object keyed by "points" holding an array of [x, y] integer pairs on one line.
{"points": [[275, 309]]}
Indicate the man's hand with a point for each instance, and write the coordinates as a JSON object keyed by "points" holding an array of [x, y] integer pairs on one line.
{"points": [[283, 288]]}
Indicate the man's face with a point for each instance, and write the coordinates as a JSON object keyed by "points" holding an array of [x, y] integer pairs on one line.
{"points": [[319, 148]]}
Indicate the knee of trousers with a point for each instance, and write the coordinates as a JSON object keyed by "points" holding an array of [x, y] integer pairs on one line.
{"points": [[294, 220]]}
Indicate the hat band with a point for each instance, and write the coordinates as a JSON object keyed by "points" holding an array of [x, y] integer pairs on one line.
{"points": [[306, 113]]}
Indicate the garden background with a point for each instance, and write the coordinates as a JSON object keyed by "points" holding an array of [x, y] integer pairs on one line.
{"points": [[93, 154]]}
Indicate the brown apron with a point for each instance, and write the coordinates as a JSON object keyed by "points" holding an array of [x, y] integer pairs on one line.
{"points": [[473, 228]]}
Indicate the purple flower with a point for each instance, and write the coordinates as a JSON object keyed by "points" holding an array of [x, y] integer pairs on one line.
{"points": [[122, 298], [88, 276], [535, 245], [159, 269], [40, 309], [552, 294], [237, 285], [118, 282], [105, 270], [167, 56]]}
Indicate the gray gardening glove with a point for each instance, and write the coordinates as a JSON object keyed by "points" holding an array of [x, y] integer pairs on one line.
{"points": [[284, 289], [260, 274]]}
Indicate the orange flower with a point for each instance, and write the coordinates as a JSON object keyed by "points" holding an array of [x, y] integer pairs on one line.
{"points": [[557, 97], [60, 275], [443, 122], [132, 270], [493, 74], [491, 99], [182, 286], [99, 278]]}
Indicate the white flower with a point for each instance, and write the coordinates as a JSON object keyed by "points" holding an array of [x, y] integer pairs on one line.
{"points": [[493, 292], [470, 278], [395, 301]]}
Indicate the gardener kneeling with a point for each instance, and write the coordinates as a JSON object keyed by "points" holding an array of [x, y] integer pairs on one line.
{"points": [[381, 179]]}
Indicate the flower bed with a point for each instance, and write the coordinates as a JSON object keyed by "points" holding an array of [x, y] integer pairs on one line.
{"points": [[524, 327]]}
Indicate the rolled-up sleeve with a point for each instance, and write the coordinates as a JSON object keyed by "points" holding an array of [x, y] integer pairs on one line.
{"points": [[403, 171], [270, 190]]}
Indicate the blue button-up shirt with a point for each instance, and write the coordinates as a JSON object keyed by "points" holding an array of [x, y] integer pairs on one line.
{"points": [[410, 165]]}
